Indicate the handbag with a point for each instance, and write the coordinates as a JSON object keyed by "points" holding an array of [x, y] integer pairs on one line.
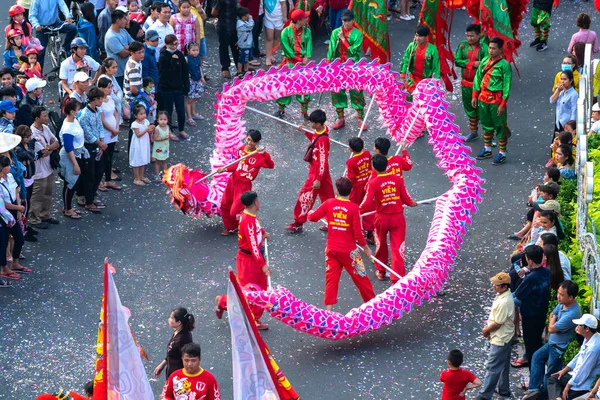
{"points": [[311, 147]]}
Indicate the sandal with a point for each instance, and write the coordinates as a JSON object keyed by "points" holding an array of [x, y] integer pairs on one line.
{"points": [[102, 188], [146, 180], [115, 177], [112, 186], [93, 209], [255, 63], [139, 183], [72, 215], [174, 137], [191, 122], [520, 363], [99, 204], [23, 270], [10, 275], [81, 202]]}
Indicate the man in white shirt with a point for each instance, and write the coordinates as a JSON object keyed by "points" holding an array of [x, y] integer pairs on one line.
{"points": [[78, 61], [162, 26], [583, 368]]}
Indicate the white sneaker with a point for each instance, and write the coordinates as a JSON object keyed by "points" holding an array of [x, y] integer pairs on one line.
{"points": [[412, 17], [405, 18]]}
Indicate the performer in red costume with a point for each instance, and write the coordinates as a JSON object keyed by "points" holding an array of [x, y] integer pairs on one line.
{"points": [[396, 163], [250, 263], [243, 173], [192, 381], [389, 194], [358, 169], [319, 179], [344, 230], [62, 395]]}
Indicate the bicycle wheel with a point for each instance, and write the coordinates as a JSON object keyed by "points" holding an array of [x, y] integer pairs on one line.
{"points": [[53, 50]]}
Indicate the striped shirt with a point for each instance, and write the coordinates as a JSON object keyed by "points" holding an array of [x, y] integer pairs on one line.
{"points": [[133, 77]]}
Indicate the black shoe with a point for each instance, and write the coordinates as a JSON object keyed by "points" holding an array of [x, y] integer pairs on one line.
{"points": [[535, 42], [41, 225], [543, 46], [279, 113], [52, 221], [31, 230], [29, 237], [471, 137]]}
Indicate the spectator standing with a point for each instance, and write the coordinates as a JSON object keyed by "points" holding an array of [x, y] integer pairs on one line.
{"points": [[244, 27], [150, 62], [577, 377], [43, 180], [133, 72], [197, 83], [457, 380], [44, 14], [225, 10], [182, 323], [185, 25], [499, 330], [109, 69], [532, 297], [110, 122], [7, 142], [104, 22], [585, 35], [561, 329], [27, 156], [86, 28], [117, 41], [565, 97], [174, 83], [78, 61], [81, 83], [162, 27], [139, 148], [154, 11], [200, 15], [274, 20]]}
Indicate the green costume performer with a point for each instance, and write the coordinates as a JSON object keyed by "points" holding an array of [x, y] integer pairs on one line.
{"points": [[350, 47], [420, 62], [540, 20], [465, 58], [491, 87], [296, 44]]}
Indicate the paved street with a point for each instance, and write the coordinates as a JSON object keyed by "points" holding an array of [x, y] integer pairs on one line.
{"points": [[48, 322]]}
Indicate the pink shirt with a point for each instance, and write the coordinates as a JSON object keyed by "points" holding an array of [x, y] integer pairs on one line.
{"points": [[584, 36]]}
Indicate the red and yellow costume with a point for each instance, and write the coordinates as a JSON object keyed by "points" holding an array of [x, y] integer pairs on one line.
{"points": [[200, 386], [359, 171], [318, 171], [249, 261], [240, 181], [396, 164], [389, 194], [343, 231]]}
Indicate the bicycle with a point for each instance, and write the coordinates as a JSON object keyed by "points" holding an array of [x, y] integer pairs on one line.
{"points": [[55, 48]]}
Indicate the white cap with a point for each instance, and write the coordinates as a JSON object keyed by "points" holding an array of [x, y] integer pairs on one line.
{"points": [[588, 320], [35, 83], [122, 8], [81, 77], [596, 107]]}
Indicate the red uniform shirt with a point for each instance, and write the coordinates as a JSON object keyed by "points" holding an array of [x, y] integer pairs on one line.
{"points": [[250, 235], [359, 168], [397, 164], [454, 383], [343, 220], [247, 170], [319, 166], [389, 194], [181, 386]]}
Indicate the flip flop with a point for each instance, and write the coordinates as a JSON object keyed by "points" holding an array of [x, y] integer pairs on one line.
{"points": [[93, 209], [23, 270], [520, 363], [10, 275], [113, 187], [72, 215]]}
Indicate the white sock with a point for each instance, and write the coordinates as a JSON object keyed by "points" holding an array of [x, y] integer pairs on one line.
{"points": [[487, 148]]}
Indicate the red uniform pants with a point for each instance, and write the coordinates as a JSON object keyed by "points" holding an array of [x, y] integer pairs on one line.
{"points": [[231, 205], [356, 196], [395, 225], [308, 196], [335, 261], [249, 272]]}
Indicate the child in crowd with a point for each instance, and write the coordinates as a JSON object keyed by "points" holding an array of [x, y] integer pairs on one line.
{"points": [[139, 152], [17, 21], [14, 51], [150, 91], [200, 15], [457, 380], [110, 122], [7, 116], [197, 82], [595, 119], [160, 147], [86, 28], [244, 27], [26, 155], [154, 13], [22, 82], [186, 25], [135, 14], [32, 67]]}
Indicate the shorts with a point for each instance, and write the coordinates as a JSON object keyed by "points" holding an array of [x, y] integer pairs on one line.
{"points": [[202, 53], [273, 21], [196, 89], [244, 56]]}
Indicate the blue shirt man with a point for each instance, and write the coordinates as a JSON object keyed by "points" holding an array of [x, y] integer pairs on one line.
{"points": [[44, 14], [149, 63]]}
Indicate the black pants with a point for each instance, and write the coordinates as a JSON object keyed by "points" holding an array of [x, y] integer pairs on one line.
{"points": [[532, 333], [99, 169], [556, 387], [108, 161], [85, 183], [168, 98], [256, 31], [227, 41]]}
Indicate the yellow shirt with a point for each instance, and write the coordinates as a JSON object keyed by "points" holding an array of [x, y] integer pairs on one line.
{"points": [[195, 11], [503, 313], [576, 76]]}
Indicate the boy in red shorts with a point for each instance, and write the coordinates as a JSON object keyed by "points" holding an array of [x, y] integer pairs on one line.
{"points": [[344, 230]]}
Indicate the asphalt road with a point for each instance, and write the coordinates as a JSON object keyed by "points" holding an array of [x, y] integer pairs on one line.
{"points": [[48, 322]]}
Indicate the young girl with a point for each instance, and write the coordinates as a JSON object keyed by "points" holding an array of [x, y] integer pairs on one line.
{"points": [[186, 25], [135, 14], [139, 153], [160, 147], [197, 82], [32, 67], [14, 50], [26, 155], [110, 122], [17, 21]]}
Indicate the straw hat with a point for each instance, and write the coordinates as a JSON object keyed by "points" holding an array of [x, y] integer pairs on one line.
{"points": [[8, 141]]}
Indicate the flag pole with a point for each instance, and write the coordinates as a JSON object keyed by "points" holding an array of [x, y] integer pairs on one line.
{"points": [[362, 126], [403, 141], [225, 166], [426, 201], [267, 260]]}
